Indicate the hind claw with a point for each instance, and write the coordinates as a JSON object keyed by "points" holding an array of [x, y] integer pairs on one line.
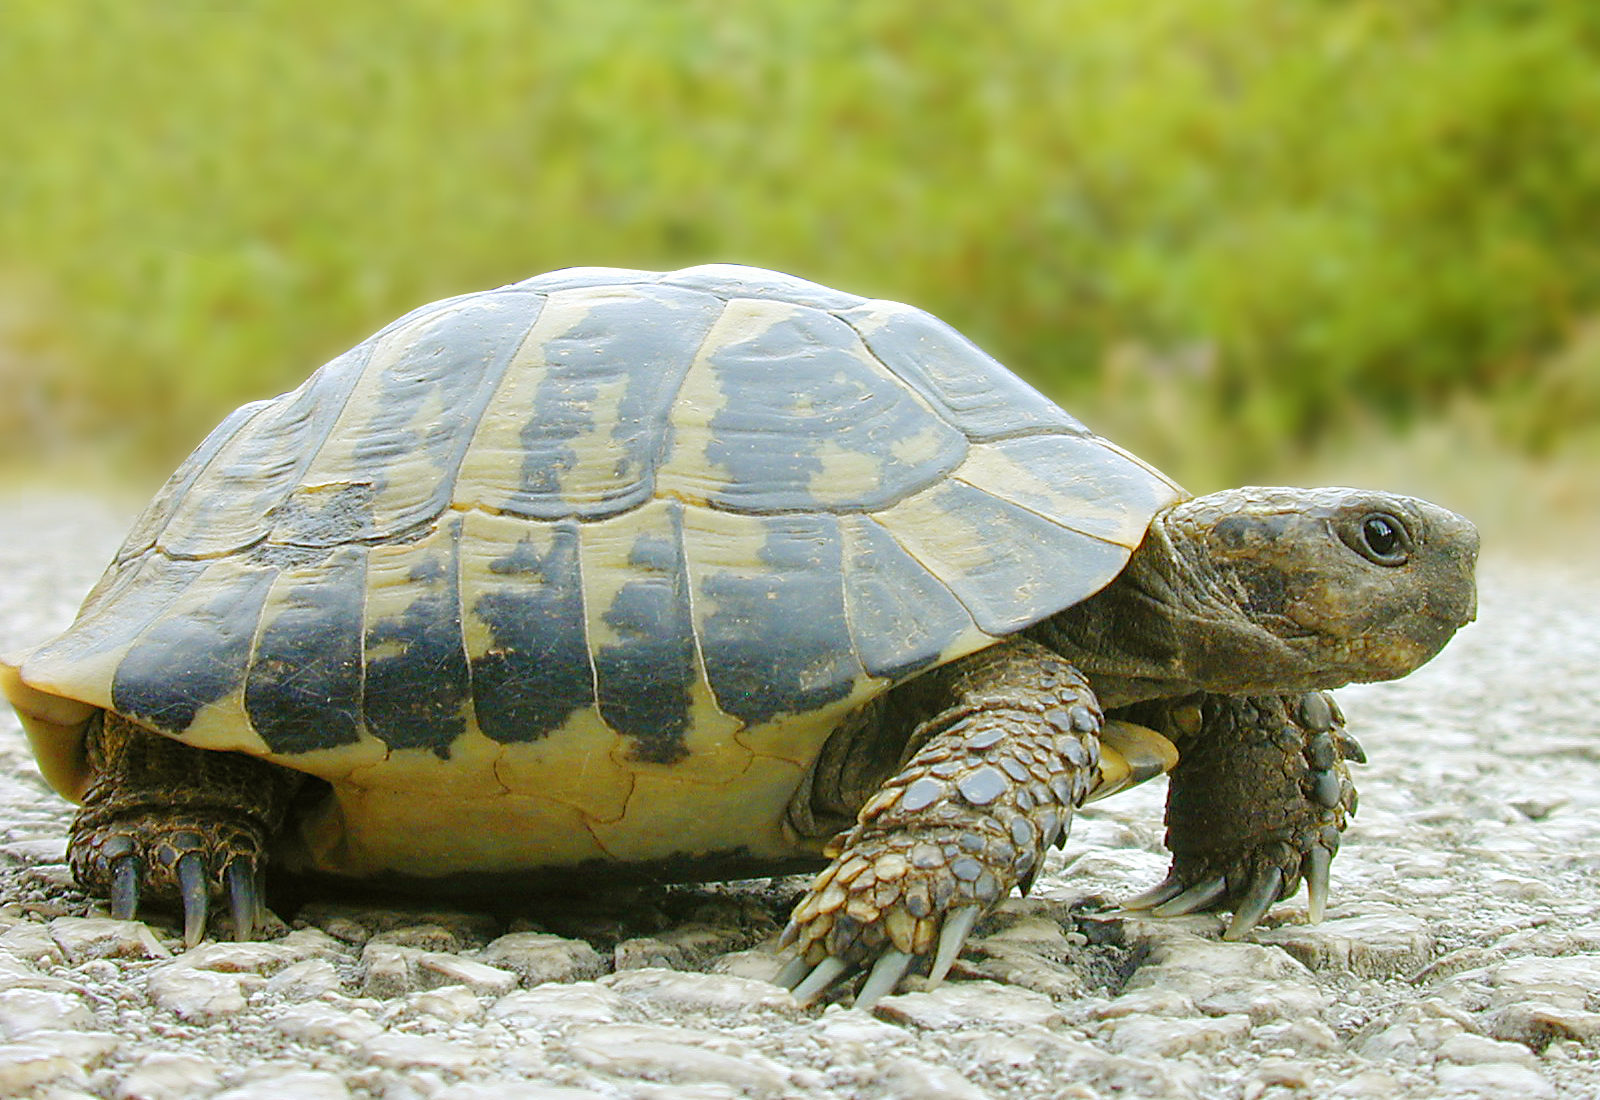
{"points": [[244, 899], [124, 886], [193, 891]]}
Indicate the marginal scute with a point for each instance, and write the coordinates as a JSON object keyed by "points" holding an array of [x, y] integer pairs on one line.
{"points": [[641, 631], [415, 679], [196, 652], [768, 594], [303, 691], [522, 593]]}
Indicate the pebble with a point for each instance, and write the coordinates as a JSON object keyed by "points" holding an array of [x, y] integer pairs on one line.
{"points": [[167, 1076], [542, 957], [913, 1079], [436, 968], [84, 938], [720, 993], [1263, 983], [32, 942], [1377, 946], [193, 994], [1496, 1081], [960, 1004], [550, 1004], [294, 1084], [319, 1023], [397, 1050], [1147, 1037], [304, 980], [27, 1010], [677, 1055], [46, 1056]]}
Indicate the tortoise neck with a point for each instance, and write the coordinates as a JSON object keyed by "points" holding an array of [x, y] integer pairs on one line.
{"points": [[1169, 624]]}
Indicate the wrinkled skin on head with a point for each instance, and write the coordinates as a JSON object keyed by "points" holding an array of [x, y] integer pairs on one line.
{"points": [[1263, 590]]}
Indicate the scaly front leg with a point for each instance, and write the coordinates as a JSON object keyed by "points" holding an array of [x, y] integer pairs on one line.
{"points": [[991, 781]]}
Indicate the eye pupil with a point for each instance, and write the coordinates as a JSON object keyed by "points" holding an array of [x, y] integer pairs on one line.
{"points": [[1381, 536]]}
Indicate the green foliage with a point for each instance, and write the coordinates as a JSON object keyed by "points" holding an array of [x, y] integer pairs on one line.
{"points": [[1213, 227]]}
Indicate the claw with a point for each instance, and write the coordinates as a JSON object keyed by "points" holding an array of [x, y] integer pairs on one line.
{"points": [[1255, 903], [793, 970], [192, 888], [957, 926], [244, 899], [1165, 890], [124, 887], [826, 973], [1320, 861], [886, 974], [1197, 897]]}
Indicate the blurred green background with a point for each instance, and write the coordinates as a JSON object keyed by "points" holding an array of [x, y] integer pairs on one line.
{"points": [[1244, 237]]}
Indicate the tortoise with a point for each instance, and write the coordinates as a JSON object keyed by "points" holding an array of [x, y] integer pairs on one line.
{"points": [[708, 574]]}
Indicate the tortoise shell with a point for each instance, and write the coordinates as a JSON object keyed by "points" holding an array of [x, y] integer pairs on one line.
{"points": [[598, 559]]}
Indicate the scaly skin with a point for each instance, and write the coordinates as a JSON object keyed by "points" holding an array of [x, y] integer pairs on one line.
{"points": [[991, 781], [163, 820]]}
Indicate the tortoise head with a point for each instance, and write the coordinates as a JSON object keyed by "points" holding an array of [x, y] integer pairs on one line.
{"points": [[1311, 588]]}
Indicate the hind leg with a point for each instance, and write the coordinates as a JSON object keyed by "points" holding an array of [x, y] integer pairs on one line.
{"points": [[163, 820]]}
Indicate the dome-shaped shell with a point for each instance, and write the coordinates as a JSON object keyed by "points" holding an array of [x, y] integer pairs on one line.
{"points": [[607, 489]]}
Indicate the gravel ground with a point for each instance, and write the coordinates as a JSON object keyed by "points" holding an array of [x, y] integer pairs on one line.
{"points": [[1460, 957]]}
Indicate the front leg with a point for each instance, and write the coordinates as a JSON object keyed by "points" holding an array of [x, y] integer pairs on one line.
{"points": [[1257, 802], [990, 782]]}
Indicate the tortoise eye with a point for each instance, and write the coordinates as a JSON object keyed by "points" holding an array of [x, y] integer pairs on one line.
{"points": [[1383, 539]]}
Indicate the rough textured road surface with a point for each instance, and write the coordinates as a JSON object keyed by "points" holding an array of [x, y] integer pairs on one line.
{"points": [[1460, 957]]}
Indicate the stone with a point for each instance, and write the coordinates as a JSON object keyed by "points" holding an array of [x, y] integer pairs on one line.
{"points": [[676, 989], [906, 1078], [436, 968], [27, 1010], [451, 1004], [1273, 1073], [685, 948], [388, 970], [304, 980], [542, 957], [84, 938], [319, 1023], [552, 1004], [46, 1056], [33, 942], [1147, 1002], [676, 1055], [426, 937], [16, 974], [1263, 983], [1158, 1037], [1496, 1080], [167, 1076], [398, 1050], [1537, 1023], [197, 995], [239, 958], [957, 1004], [1472, 1050], [1378, 946], [300, 1084]]}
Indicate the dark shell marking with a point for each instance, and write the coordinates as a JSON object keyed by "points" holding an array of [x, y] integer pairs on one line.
{"points": [[603, 489]]}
